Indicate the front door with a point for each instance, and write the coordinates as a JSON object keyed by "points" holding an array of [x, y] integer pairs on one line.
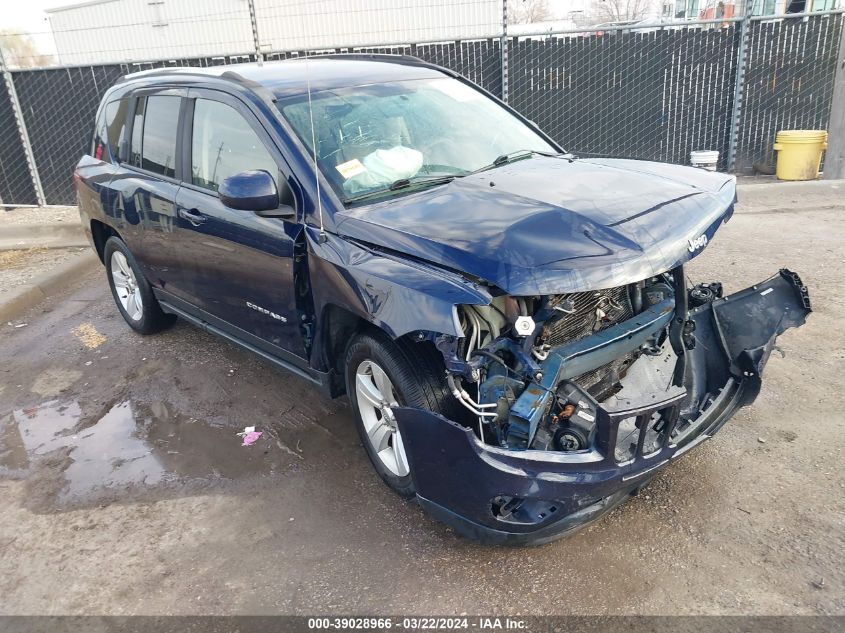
{"points": [[242, 274]]}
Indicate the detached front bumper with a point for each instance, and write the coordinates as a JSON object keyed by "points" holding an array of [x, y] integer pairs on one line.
{"points": [[497, 495]]}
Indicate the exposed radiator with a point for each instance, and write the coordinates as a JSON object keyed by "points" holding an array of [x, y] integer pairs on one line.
{"points": [[588, 307], [592, 312]]}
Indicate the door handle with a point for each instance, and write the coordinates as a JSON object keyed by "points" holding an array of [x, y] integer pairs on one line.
{"points": [[193, 216]]}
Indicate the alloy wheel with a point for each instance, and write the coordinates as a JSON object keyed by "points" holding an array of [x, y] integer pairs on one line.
{"points": [[376, 396], [126, 286]]}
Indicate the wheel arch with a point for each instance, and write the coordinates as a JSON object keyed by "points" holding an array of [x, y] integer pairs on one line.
{"points": [[100, 233], [339, 326]]}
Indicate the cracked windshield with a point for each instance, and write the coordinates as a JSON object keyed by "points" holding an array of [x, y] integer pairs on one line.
{"points": [[372, 140]]}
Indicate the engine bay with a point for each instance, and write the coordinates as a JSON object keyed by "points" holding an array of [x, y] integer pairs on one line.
{"points": [[534, 372]]}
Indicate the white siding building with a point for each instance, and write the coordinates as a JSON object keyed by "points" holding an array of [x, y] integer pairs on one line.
{"points": [[102, 31]]}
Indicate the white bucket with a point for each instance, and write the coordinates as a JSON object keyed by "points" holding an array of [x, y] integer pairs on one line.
{"points": [[705, 159]]}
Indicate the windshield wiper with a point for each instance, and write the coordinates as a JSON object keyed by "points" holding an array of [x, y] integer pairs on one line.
{"points": [[512, 157], [405, 183]]}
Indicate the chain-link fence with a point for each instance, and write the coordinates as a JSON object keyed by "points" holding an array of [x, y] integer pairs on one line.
{"points": [[16, 186], [654, 92], [58, 106], [787, 84]]}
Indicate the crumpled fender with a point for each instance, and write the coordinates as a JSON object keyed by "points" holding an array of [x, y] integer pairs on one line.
{"points": [[456, 476], [397, 294]]}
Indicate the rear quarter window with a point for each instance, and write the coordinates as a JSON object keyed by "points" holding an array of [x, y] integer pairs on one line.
{"points": [[116, 112], [110, 132], [98, 145]]}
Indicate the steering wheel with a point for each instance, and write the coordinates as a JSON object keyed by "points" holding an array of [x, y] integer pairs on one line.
{"points": [[440, 143], [492, 142], [436, 169]]}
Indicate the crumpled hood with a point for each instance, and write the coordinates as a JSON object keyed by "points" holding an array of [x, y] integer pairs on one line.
{"points": [[551, 225]]}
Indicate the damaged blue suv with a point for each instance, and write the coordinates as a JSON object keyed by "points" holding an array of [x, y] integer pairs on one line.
{"points": [[511, 323]]}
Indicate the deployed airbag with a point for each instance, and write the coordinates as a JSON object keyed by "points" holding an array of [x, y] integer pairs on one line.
{"points": [[384, 167]]}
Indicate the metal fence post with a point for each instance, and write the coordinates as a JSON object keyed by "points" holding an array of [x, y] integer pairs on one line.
{"points": [[739, 89], [505, 51], [259, 56], [21, 125], [834, 161]]}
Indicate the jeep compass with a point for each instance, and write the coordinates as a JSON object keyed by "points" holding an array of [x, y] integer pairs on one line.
{"points": [[510, 322]]}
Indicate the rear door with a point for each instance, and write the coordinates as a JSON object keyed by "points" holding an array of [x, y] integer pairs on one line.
{"points": [[146, 185], [242, 273]]}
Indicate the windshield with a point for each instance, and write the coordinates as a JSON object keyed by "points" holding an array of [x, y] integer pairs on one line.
{"points": [[385, 137]]}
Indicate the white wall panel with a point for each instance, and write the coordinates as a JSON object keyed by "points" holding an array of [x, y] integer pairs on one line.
{"points": [[296, 24], [133, 30], [126, 30]]}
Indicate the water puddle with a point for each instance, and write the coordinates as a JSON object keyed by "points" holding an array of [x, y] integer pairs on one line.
{"points": [[131, 444]]}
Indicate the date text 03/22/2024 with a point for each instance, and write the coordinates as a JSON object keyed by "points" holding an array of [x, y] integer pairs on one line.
{"points": [[418, 623]]}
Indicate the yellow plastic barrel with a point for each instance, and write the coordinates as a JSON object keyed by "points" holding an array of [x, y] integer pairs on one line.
{"points": [[799, 153]]}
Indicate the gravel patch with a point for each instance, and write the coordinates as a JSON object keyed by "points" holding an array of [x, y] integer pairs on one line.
{"points": [[40, 215], [18, 268]]}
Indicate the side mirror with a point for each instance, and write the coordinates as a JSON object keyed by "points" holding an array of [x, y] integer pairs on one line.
{"points": [[256, 191]]}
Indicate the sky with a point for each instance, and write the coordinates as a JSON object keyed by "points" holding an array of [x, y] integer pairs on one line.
{"points": [[29, 16]]}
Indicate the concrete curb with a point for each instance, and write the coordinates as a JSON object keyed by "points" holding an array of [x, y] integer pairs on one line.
{"points": [[54, 235], [772, 196], [19, 300], [783, 186]]}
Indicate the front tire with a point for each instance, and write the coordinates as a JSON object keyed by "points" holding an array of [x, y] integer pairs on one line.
{"points": [[131, 291], [382, 374]]}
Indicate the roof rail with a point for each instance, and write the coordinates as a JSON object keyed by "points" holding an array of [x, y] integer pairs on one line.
{"points": [[396, 58], [233, 76], [186, 71], [182, 71]]}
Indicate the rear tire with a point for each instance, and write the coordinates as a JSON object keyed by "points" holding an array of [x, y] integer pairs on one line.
{"points": [[415, 376], [131, 291]]}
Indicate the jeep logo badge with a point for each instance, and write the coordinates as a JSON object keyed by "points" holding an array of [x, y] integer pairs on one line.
{"points": [[699, 242]]}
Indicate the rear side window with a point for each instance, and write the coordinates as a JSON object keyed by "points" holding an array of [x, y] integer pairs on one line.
{"points": [[154, 126], [158, 144], [223, 145], [137, 132]]}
